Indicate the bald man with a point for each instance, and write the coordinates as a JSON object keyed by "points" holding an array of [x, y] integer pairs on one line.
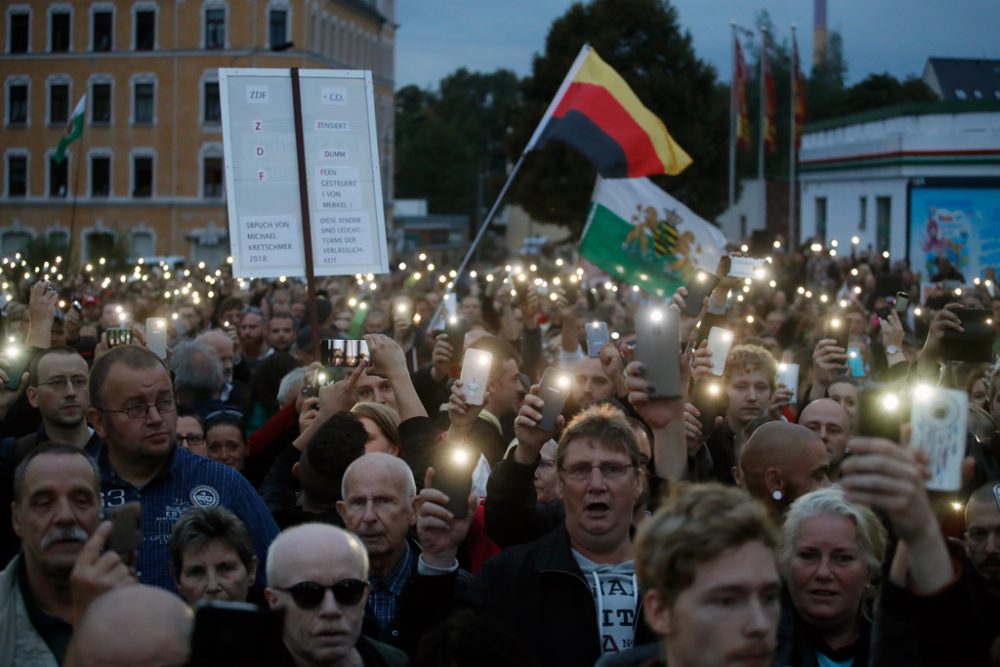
{"points": [[319, 574], [781, 462], [829, 420], [411, 588], [139, 626]]}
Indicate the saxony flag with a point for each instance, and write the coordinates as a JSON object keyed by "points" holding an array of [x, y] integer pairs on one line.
{"points": [[74, 130], [638, 233]]}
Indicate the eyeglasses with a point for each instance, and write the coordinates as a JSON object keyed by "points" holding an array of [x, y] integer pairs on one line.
{"points": [[59, 382], [140, 410], [581, 471], [192, 440], [309, 594]]}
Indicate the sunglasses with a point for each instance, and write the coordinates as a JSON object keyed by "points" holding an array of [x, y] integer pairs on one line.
{"points": [[309, 594]]}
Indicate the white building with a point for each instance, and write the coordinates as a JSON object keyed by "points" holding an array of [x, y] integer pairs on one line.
{"points": [[855, 171]]}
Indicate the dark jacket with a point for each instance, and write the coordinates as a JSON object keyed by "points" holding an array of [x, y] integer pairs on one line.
{"points": [[511, 512], [424, 602], [538, 593], [373, 654]]}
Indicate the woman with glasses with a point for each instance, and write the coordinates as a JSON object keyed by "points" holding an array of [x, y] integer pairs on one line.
{"points": [[190, 431]]}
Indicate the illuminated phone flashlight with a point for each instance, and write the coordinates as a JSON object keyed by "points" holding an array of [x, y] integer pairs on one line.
{"points": [[843, 303], [917, 312], [416, 318], [12, 351], [422, 257], [956, 506], [321, 378], [460, 456], [890, 402], [615, 335], [713, 389], [801, 290], [777, 245], [853, 354], [401, 308], [701, 277], [857, 289], [759, 273], [452, 319], [923, 392], [816, 247], [835, 323], [563, 381], [855, 240], [656, 316], [744, 248], [958, 291], [749, 319]]}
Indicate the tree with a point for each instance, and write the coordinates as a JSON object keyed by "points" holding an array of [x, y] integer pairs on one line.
{"points": [[449, 142], [643, 42], [883, 90]]}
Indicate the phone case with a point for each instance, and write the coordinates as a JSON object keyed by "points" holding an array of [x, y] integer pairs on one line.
{"points": [[597, 336], [855, 362], [453, 477], [837, 329], [882, 411], [126, 528], [698, 289], [719, 342], [902, 302], [554, 389], [939, 421], [658, 348], [476, 375], [788, 375]]}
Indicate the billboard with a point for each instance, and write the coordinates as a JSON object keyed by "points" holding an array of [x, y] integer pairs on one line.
{"points": [[956, 218]]}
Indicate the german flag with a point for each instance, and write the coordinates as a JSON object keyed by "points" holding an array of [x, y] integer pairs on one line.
{"points": [[597, 113]]}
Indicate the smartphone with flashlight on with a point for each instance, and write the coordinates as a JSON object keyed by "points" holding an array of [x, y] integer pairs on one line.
{"points": [[711, 401], [719, 342], [902, 303], [16, 360], [658, 348], [597, 336], [126, 529], [855, 362], [554, 390], [836, 329], [453, 476], [476, 375], [455, 329], [882, 411], [698, 290], [788, 375]]}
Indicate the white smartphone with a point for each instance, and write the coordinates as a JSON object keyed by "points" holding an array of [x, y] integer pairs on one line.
{"points": [[719, 342], [476, 375], [597, 336], [788, 375], [746, 267], [939, 420], [156, 336]]}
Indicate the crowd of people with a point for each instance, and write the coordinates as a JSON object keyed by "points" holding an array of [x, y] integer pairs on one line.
{"points": [[249, 493]]}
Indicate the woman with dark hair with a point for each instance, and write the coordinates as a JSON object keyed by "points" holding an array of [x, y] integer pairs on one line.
{"points": [[212, 556]]}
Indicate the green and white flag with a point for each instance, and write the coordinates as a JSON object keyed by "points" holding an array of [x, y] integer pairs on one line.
{"points": [[638, 233], [74, 130]]}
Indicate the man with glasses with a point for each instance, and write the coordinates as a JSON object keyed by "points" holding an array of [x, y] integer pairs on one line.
{"points": [[134, 412], [571, 596], [57, 388], [319, 574]]}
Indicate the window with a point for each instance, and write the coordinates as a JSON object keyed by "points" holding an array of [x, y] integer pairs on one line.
{"points": [[15, 240], [59, 31], [98, 243], [215, 28], [862, 213], [100, 175], [19, 32], [100, 103], [141, 243], [144, 103], [58, 177], [821, 217], [103, 30], [212, 177], [142, 176], [883, 221], [58, 239], [277, 27], [213, 108], [145, 29], [17, 175], [58, 103], [17, 104]]}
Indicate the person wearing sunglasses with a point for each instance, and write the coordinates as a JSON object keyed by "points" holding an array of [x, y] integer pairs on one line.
{"points": [[318, 574]]}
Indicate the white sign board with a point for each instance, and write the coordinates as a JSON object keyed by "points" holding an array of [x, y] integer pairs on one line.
{"points": [[347, 220]]}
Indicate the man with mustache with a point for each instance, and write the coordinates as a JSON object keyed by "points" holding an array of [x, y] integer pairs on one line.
{"points": [[57, 388], [56, 513]]}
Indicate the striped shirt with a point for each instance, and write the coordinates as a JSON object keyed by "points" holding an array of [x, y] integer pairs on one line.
{"points": [[385, 592]]}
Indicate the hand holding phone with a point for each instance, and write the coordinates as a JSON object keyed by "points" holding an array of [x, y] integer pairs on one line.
{"points": [[476, 375], [453, 476], [597, 336], [700, 288], [837, 330], [126, 529], [554, 389], [658, 349]]}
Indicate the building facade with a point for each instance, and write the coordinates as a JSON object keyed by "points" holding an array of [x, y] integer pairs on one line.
{"points": [[147, 174], [856, 172]]}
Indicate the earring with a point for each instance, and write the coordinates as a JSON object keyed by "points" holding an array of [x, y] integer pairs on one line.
{"points": [[776, 494]]}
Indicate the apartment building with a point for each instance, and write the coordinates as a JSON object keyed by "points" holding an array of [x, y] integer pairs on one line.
{"points": [[148, 171]]}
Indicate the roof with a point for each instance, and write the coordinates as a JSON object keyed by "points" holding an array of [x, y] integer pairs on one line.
{"points": [[365, 7], [911, 109], [964, 78]]}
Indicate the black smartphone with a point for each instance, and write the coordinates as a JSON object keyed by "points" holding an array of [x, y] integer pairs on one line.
{"points": [[975, 344], [554, 390], [658, 347], [711, 400], [837, 329], [236, 633], [17, 359], [455, 328], [698, 289], [453, 476], [126, 529], [882, 411], [902, 303]]}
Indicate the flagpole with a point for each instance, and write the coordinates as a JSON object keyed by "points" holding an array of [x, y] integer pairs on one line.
{"points": [[762, 130], [72, 208], [792, 139], [732, 126]]}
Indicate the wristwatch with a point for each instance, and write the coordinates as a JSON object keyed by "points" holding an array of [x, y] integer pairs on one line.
{"points": [[892, 349]]}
